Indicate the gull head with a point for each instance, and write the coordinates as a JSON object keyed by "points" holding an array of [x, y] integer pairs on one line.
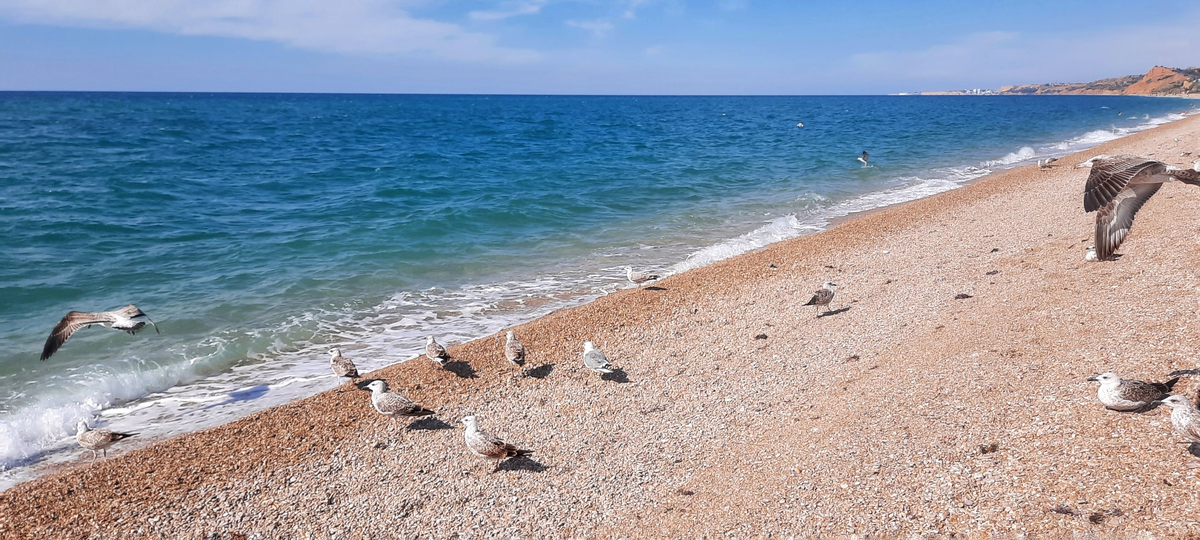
{"points": [[1088, 164], [829, 285], [629, 270], [378, 386], [1091, 254], [508, 336], [1177, 402], [1196, 165], [429, 340], [81, 426], [335, 352], [470, 422], [588, 346], [1107, 378]]}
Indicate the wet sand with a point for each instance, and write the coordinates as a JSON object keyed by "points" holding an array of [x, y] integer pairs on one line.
{"points": [[740, 412]]}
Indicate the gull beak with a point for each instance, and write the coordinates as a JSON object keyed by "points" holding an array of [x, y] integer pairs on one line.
{"points": [[1092, 379]]}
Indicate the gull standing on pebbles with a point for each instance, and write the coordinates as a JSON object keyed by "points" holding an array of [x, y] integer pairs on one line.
{"points": [[638, 278], [1118, 186], [393, 404], [1184, 417], [1128, 394], [595, 360], [117, 319], [514, 351], [341, 366], [823, 296], [436, 352], [488, 446], [97, 439]]}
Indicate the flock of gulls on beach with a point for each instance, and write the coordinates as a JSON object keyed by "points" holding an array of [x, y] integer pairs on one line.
{"points": [[1116, 188]]}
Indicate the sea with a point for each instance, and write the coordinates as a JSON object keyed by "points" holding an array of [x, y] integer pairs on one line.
{"points": [[259, 231]]}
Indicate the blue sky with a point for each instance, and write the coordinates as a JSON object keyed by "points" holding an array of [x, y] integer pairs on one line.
{"points": [[583, 46]]}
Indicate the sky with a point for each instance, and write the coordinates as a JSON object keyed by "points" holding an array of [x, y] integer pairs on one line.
{"points": [[675, 47]]}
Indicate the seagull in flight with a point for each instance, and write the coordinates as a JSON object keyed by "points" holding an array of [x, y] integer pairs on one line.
{"points": [[1118, 186], [117, 319]]}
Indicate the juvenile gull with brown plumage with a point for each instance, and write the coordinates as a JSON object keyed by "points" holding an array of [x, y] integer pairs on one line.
{"points": [[595, 360], [1117, 187], [488, 446], [514, 350], [117, 319], [393, 404], [436, 352], [638, 278], [1129, 394], [97, 440], [823, 296], [342, 366]]}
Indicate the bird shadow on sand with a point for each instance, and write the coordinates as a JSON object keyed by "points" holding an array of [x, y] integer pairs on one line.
{"points": [[618, 376], [362, 385], [540, 372], [833, 312], [653, 288], [428, 423], [1180, 372], [460, 368], [522, 464]]}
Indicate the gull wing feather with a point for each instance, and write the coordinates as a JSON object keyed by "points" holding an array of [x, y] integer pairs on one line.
{"points": [[69, 324], [1109, 177], [1116, 218]]}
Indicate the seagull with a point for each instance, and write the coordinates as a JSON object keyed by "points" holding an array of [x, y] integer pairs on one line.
{"points": [[1046, 164], [1091, 254], [638, 278], [393, 404], [1184, 417], [1127, 394], [341, 366], [488, 446], [434, 351], [514, 351], [823, 296], [595, 360], [800, 124], [97, 439], [1118, 186], [864, 157], [117, 319]]}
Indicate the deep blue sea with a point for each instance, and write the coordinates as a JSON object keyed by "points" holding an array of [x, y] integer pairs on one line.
{"points": [[258, 231]]}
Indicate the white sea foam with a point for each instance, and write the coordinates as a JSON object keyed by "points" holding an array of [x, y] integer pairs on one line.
{"points": [[1026, 153]]}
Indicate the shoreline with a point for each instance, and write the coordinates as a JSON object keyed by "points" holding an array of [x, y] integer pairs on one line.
{"points": [[698, 378]]}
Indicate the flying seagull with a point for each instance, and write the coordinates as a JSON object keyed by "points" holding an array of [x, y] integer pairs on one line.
{"points": [[638, 278], [514, 351], [1184, 417], [864, 157], [393, 404], [823, 296], [1127, 394], [595, 360], [117, 319], [488, 446], [1117, 187], [97, 440], [435, 351], [342, 366]]}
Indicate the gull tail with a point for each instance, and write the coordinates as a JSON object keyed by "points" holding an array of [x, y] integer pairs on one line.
{"points": [[424, 412], [523, 453], [1166, 386], [1187, 176]]}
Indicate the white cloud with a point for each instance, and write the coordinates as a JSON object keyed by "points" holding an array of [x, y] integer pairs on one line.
{"points": [[631, 9], [599, 27], [508, 9], [347, 26]]}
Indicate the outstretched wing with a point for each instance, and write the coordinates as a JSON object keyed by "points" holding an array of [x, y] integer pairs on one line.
{"points": [[1109, 177], [1116, 218], [68, 325]]}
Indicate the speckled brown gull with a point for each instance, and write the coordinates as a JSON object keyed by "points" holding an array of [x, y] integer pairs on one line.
{"points": [[823, 296], [595, 360], [117, 319], [1117, 187], [514, 351], [97, 440], [1184, 417], [435, 351], [393, 404], [342, 366], [1128, 394], [638, 278], [488, 446]]}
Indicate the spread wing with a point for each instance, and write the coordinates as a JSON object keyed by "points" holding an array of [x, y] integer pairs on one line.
{"points": [[1116, 218], [1109, 177], [72, 322]]}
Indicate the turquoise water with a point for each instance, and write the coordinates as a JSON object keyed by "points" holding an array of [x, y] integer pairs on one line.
{"points": [[260, 230]]}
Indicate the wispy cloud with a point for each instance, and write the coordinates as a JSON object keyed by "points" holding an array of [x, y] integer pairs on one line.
{"points": [[369, 27], [631, 8], [599, 27], [508, 9]]}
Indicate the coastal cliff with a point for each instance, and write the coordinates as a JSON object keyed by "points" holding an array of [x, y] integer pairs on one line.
{"points": [[1159, 81]]}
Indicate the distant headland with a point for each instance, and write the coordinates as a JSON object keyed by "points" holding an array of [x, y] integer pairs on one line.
{"points": [[1159, 81]]}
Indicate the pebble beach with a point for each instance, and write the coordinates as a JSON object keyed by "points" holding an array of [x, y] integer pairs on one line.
{"points": [[943, 395]]}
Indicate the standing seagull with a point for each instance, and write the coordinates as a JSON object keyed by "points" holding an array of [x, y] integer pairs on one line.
{"points": [[638, 278], [823, 296], [514, 351], [117, 319], [595, 360], [488, 446], [97, 439], [1184, 417], [1118, 186], [436, 352], [342, 366], [1127, 394], [864, 157], [393, 404]]}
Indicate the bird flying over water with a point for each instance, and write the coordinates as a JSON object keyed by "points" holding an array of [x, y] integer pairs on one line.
{"points": [[117, 319], [864, 157], [1118, 186], [823, 296]]}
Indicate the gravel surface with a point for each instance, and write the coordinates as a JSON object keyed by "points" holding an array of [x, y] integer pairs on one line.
{"points": [[739, 411]]}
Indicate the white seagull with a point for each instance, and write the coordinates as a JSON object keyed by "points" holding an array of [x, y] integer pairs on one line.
{"points": [[97, 440], [1184, 417], [595, 360], [117, 319], [1118, 186], [638, 278], [1128, 394], [392, 403]]}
